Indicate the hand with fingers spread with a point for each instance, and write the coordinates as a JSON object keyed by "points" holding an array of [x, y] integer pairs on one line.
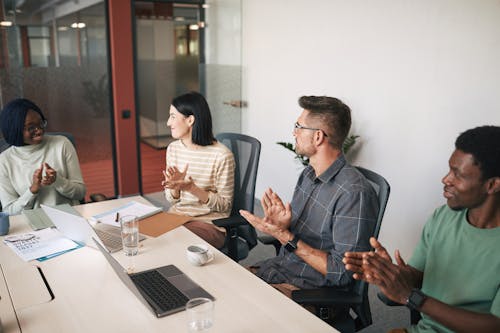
{"points": [[354, 260], [277, 217], [394, 280], [275, 210], [175, 180]]}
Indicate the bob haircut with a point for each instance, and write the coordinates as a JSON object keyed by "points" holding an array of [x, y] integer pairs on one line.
{"points": [[12, 119], [194, 104]]}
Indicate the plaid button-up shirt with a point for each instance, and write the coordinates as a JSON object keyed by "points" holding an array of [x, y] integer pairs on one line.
{"points": [[334, 212]]}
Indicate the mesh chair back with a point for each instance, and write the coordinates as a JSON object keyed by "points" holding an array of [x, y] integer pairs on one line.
{"points": [[246, 152], [382, 188]]}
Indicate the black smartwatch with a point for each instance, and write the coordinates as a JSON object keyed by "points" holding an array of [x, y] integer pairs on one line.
{"points": [[416, 299], [291, 246]]}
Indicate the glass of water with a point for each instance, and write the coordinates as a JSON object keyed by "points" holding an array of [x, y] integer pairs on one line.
{"points": [[200, 312], [130, 234]]}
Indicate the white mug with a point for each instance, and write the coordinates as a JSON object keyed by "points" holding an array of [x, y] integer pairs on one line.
{"points": [[199, 254]]}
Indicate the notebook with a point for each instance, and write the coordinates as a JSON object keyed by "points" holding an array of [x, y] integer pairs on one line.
{"points": [[78, 229], [164, 290]]}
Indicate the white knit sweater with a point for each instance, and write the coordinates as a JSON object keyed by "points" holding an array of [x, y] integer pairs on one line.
{"points": [[17, 165]]}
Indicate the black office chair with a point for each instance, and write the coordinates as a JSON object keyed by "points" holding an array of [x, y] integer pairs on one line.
{"points": [[240, 235]]}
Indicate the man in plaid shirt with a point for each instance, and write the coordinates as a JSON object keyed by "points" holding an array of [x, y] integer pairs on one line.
{"points": [[333, 210]]}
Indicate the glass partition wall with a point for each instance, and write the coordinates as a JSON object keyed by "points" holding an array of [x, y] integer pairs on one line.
{"points": [[55, 53], [181, 46]]}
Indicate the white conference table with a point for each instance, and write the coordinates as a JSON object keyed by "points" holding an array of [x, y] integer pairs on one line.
{"points": [[89, 297]]}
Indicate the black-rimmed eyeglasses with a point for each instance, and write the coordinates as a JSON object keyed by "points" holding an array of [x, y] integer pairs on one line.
{"points": [[297, 126], [32, 129]]}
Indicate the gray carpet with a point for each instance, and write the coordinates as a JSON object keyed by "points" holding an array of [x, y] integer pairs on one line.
{"points": [[384, 317]]}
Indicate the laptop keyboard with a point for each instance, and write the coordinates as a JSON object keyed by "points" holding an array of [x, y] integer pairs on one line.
{"points": [[111, 241], [160, 290]]}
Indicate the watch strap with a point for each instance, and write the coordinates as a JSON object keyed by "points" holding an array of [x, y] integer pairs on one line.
{"points": [[291, 245]]}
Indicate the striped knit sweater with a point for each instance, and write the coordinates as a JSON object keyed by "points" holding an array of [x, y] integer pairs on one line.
{"points": [[212, 169]]}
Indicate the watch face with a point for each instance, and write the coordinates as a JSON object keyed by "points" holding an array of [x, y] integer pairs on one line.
{"points": [[291, 246], [416, 299]]}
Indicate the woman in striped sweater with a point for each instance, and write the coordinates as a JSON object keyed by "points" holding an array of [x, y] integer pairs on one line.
{"points": [[199, 173]]}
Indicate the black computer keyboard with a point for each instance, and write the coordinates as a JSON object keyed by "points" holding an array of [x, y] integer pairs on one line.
{"points": [[160, 290]]}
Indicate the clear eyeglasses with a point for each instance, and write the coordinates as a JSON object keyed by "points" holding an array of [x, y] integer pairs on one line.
{"points": [[32, 129]]}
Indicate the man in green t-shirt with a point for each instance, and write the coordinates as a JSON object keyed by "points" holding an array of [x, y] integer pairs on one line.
{"points": [[453, 277]]}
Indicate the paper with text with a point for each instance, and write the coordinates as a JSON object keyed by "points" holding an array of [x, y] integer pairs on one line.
{"points": [[41, 243], [132, 208]]}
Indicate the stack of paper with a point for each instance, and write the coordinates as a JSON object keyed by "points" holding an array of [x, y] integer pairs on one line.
{"points": [[112, 216], [42, 244]]}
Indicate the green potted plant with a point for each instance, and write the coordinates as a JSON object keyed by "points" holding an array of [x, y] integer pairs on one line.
{"points": [[348, 143]]}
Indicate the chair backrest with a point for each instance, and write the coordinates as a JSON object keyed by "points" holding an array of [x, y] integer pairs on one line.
{"points": [[246, 152], [382, 188]]}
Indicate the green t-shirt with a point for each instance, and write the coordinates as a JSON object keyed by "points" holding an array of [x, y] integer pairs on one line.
{"points": [[461, 265]]}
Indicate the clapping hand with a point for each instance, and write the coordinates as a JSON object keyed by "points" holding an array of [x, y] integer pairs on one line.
{"points": [[174, 179], [277, 215], [39, 180], [394, 280], [50, 175]]}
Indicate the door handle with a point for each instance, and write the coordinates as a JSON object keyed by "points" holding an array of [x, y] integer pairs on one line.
{"points": [[236, 103]]}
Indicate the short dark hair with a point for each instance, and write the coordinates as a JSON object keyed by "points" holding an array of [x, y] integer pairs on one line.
{"points": [[194, 104], [483, 143], [12, 119], [333, 113]]}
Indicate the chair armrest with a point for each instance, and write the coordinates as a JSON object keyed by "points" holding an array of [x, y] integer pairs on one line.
{"points": [[230, 222], [268, 239], [326, 297], [415, 316], [387, 301]]}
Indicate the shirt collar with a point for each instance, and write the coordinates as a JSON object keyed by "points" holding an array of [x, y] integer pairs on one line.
{"points": [[329, 173]]}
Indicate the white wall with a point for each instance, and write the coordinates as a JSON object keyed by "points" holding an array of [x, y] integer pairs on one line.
{"points": [[415, 73]]}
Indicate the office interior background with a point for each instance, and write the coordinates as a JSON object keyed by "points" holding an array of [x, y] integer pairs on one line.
{"points": [[415, 74]]}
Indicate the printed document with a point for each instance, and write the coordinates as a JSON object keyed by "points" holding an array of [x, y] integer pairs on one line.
{"points": [[38, 244], [112, 217]]}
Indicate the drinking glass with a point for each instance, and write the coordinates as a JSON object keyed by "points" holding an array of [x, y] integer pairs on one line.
{"points": [[130, 234], [200, 312]]}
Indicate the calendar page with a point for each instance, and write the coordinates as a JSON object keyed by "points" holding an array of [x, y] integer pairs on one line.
{"points": [[37, 244]]}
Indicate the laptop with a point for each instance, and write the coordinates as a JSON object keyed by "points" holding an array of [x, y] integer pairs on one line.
{"points": [[77, 228], [38, 220], [164, 290]]}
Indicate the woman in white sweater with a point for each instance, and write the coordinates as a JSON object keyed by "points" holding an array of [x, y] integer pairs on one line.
{"points": [[36, 169], [199, 173]]}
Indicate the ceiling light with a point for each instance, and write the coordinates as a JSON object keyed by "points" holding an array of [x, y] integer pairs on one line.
{"points": [[5, 23], [79, 25], [193, 27]]}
